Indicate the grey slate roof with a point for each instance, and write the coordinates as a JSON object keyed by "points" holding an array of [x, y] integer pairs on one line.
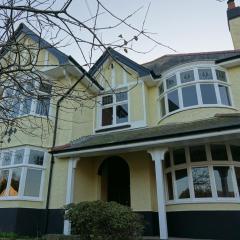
{"points": [[141, 70], [152, 133], [166, 62]]}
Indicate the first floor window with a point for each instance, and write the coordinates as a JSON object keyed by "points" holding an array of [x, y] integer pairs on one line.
{"points": [[21, 172], [31, 99], [202, 172], [189, 95], [114, 109], [201, 182], [196, 87], [223, 179], [173, 102], [182, 183]]}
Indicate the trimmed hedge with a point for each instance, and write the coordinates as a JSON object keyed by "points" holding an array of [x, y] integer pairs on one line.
{"points": [[104, 221]]}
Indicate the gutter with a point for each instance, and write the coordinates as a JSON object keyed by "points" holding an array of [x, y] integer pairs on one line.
{"points": [[53, 145]]}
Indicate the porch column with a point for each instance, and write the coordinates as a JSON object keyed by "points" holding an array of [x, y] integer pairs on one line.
{"points": [[158, 157], [69, 193]]}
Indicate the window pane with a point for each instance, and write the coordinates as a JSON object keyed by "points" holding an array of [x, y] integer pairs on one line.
{"points": [[237, 173], [3, 182], [198, 154], [224, 95], [235, 150], [122, 96], [15, 182], [162, 107], [43, 104], [122, 113], [170, 186], [173, 102], [182, 184], [219, 152], [18, 158], [161, 89], [27, 102], [179, 156], [16, 105], [33, 183], [6, 158], [107, 116], [201, 182], [46, 88], [205, 74], [189, 95], [171, 82], [107, 100], [187, 76], [221, 75], [167, 161], [223, 179], [208, 94], [36, 157]]}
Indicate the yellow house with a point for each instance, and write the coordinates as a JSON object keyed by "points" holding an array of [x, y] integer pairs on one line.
{"points": [[162, 138]]}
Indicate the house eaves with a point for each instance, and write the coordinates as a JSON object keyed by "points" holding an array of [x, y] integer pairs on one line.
{"points": [[110, 53]]}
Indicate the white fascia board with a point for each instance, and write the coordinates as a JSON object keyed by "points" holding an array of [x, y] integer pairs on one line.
{"points": [[229, 64], [168, 142]]}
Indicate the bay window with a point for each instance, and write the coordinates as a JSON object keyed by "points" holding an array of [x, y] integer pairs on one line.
{"points": [[33, 98], [199, 86], [114, 109], [208, 172], [21, 173]]}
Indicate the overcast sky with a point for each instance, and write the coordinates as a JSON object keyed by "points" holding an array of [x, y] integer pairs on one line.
{"points": [[186, 25]]}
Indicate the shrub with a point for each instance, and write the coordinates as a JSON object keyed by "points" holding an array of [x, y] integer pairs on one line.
{"points": [[104, 221]]}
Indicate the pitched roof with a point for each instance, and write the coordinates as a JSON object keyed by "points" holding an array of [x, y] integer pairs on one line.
{"points": [[152, 133], [62, 58], [164, 63], [141, 70]]}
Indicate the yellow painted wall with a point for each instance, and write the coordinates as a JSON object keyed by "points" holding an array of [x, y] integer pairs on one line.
{"points": [[195, 114], [88, 182], [234, 25], [203, 207]]}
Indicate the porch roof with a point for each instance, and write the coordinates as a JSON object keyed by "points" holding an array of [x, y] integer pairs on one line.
{"points": [[219, 123]]}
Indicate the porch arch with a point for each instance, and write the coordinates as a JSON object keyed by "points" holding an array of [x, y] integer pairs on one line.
{"points": [[115, 180]]}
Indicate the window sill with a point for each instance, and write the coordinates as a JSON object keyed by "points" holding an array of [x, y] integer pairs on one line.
{"points": [[203, 201], [112, 128], [32, 199]]}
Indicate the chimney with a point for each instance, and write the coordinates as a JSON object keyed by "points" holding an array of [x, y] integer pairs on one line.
{"points": [[233, 14], [231, 4]]}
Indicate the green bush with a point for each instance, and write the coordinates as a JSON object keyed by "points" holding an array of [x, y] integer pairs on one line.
{"points": [[104, 221]]}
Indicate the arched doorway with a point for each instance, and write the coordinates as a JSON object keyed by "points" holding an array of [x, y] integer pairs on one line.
{"points": [[115, 180]]}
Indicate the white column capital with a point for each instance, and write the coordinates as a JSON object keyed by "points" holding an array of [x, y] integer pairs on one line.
{"points": [[157, 154]]}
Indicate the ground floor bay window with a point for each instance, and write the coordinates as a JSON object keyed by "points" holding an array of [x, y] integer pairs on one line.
{"points": [[22, 173], [203, 173]]}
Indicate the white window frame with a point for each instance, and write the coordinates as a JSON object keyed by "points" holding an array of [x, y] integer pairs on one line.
{"points": [[114, 105], [33, 107], [24, 167], [208, 164], [197, 82]]}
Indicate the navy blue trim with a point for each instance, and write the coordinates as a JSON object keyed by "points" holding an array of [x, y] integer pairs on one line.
{"points": [[142, 71], [227, 59], [85, 72], [233, 13]]}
